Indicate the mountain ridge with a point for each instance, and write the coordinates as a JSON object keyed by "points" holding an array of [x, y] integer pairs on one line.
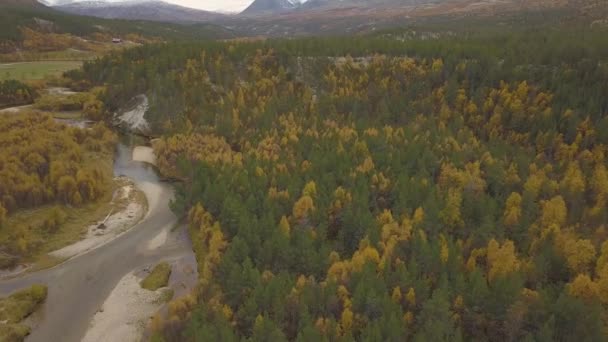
{"points": [[23, 20], [153, 10], [22, 3], [260, 7]]}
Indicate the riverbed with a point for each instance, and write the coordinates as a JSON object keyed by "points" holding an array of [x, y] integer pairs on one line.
{"points": [[79, 287]]}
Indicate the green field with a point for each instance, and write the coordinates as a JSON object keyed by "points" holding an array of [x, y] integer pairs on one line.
{"points": [[36, 70]]}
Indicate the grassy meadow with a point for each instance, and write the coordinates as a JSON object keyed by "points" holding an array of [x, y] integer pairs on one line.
{"points": [[26, 71]]}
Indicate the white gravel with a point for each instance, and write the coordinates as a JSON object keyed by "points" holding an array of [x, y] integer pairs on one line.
{"points": [[60, 91], [13, 110], [125, 312], [159, 240], [135, 119], [126, 191], [144, 154]]}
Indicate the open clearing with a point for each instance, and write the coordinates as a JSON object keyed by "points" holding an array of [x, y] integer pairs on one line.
{"points": [[36, 70]]}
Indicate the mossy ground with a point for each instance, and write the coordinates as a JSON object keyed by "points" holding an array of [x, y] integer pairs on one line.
{"points": [[13, 332], [17, 307], [159, 277]]}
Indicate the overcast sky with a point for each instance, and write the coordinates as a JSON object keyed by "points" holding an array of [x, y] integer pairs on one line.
{"points": [[209, 5], [214, 5]]}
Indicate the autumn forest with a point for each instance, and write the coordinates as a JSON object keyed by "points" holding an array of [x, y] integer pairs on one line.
{"points": [[443, 181], [383, 188], [45, 163]]}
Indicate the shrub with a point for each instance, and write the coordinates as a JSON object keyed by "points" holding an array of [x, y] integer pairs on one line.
{"points": [[3, 213], [56, 218], [62, 103], [13, 332], [14, 93], [22, 303], [159, 277]]}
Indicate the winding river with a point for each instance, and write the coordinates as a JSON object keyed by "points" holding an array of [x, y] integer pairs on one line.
{"points": [[79, 286]]}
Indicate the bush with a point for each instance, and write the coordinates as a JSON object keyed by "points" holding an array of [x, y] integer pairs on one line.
{"points": [[13, 332], [3, 213], [14, 93], [94, 109], [62, 103], [166, 296], [159, 277], [56, 218], [22, 303], [7, 260]]}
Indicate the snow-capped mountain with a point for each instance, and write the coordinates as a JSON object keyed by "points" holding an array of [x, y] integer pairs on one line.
{"points": [[272, 6], [154, 10], [54, 2]]}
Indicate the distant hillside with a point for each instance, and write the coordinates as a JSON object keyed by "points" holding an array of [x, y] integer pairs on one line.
{"points": [[260, 7], [15, 15], [153, 10], [329, 4], [21, 3], [361, 16]]}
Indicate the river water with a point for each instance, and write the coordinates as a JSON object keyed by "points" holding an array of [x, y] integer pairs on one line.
{"points": [[137, 171], [79, 286]]}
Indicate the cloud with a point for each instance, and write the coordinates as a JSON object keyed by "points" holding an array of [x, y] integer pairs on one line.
{"points": [[208, 5], [214, 5]]}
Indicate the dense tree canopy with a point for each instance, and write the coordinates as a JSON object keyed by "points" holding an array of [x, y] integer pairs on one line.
{"points": [[15, 93], [44, 162], [369, 189]]}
